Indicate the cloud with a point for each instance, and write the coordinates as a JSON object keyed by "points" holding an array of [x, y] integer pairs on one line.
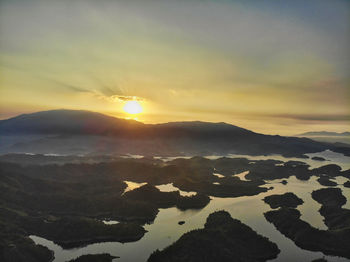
{"points": [[71, 87], [120, 98], [128, 98], [335, 117], [103, 92], [314, 117], [107, 89]]}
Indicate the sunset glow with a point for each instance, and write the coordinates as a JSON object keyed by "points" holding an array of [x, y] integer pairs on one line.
{"points": [[267, 66], [166, 130]]}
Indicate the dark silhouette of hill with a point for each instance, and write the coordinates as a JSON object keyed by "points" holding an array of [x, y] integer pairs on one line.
{"points": [[80, 122], [83, 132], [66, 122]]}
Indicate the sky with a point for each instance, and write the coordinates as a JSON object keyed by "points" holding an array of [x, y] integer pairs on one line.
{"points": [[275, 67]]}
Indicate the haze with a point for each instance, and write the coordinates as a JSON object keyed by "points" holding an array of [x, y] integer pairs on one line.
{"points": [[272, 67]]}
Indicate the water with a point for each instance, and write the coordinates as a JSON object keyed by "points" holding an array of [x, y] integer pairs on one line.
{"points": [[242, 175], [218, 175], [170, 188], [132, 186], [330, 156], [110, 222], [165, 229]]}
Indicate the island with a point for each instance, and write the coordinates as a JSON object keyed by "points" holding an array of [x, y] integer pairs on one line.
{"points": [[222, 239], [330, 242], [332, 200], [286, 200], [318, 158], [65, 201], [325, 181], [329, 197], [94, 258]]}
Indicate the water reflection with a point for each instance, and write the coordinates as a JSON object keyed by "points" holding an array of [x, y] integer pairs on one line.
{"points": [[165, 229], [330, 157], [110, 222], [218, 175], [171, 188], [242, 175], [132, 186]]}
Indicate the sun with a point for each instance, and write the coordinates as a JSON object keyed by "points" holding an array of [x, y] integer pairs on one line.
{"points": [[133, 107]]}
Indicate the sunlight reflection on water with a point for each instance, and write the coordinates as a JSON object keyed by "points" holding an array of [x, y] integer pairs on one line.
{"points": [[170, 188], [165, 229], [132, 186]]}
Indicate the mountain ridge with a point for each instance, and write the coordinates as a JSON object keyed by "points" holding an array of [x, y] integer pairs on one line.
{"points": [[86, 132], [76, 112], [63, 121]]}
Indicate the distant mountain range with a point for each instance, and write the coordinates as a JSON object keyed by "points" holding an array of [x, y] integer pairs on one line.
{"points": [[84, 132], [329, 137], [324, 133]]}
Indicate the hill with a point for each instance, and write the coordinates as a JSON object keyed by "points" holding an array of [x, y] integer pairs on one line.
{"points": [[84, 132]]}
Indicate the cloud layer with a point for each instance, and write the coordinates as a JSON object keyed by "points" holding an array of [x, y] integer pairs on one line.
{"points": [[260, 64]]}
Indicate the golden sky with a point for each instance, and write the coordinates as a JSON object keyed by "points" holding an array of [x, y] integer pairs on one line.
{"points": [[269, 66]]}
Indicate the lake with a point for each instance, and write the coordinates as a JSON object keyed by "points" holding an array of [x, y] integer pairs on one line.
{"points": [[249, 209]]}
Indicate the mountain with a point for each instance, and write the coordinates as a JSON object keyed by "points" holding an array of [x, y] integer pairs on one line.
{"points": [[85, 132], [66, 122], [324, 133], [81, 122]]}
